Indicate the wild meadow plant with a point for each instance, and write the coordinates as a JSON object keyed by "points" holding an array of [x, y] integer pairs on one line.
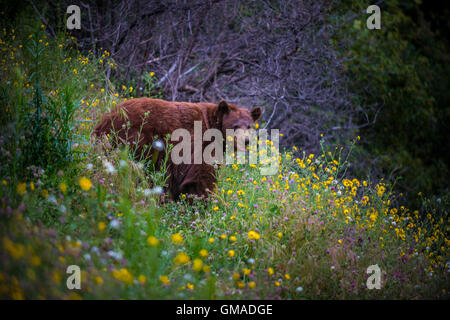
{"points": [[308, 232]]}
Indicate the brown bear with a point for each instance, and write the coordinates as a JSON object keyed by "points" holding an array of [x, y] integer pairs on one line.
{"points": [[139, 121]]}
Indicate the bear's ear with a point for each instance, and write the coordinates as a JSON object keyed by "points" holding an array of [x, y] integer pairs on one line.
{"points": [[223, 107], [256, 113]]}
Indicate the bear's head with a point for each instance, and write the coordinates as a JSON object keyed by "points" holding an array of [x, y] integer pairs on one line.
{"points": [[231, 116]]}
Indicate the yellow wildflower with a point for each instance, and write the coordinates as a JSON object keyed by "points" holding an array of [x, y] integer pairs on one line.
{"points": [[35, 261], [164, 279], [101, 226], [57, 277], [252, 235], [22, 188], [98, 280], [124, 275], [246, 271], [142, 279], [85, 183], [206, 269], [177, 238], [153, 241], [63, 187], [182, 258], [197, 265]]}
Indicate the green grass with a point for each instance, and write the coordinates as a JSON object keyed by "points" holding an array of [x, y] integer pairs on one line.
{"points": [[309, 232]]}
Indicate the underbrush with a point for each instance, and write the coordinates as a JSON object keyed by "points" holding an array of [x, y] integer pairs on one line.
{"points": [[308, 232]]}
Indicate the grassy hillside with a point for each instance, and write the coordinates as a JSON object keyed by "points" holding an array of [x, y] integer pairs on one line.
{"points": [[308, 232]]}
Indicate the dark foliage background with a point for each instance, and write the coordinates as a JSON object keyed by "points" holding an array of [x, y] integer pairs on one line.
{"points": [[313, 66]]}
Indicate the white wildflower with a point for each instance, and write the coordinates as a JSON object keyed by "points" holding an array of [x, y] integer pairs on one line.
{"points": [[157, 190], [158, 145], [109, 167], [122, 163], [114, 224]]}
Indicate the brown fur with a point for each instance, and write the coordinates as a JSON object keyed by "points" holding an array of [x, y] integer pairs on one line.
{"points": [[129, 122]]}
